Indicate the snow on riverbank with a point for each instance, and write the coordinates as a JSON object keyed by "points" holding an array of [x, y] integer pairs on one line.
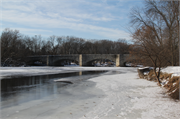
{"points": [[172, 69], [132, 98]]}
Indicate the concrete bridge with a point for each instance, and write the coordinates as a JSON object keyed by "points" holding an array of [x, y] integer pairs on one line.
{"points": [[82, 59]]}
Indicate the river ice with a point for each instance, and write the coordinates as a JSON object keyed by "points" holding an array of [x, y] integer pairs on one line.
{"points": [[118, 94]]}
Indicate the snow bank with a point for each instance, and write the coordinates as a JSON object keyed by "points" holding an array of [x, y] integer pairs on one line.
{"points": [[172, 69], [175, 70]]}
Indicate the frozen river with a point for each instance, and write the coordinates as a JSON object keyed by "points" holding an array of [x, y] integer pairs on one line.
{"points": [[17, 90], [95, 93]]}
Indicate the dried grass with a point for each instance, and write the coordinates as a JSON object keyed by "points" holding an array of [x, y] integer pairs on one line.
{"points": [[172, 85], [174, 90], [151, 76], [165, 76], [171, 81], [140, 73], [151, 73]]}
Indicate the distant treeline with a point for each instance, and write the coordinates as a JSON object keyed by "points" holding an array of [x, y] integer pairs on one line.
{"points": [[17, 46]]}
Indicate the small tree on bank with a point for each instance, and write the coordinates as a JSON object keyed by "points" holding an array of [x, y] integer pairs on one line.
{"points": [[148, 50]]}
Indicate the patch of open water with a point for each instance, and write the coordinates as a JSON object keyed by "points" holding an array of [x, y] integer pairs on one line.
{"points": [[17, 90]]}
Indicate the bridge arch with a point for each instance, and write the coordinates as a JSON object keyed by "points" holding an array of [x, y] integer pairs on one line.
{"points": [[63, 62], [57, 59], [95, 61], [33, 60], [89, 58]]}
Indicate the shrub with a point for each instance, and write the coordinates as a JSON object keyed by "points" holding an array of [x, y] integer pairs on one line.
{"points": [[171, 83], [174, 90], [173, 86]]}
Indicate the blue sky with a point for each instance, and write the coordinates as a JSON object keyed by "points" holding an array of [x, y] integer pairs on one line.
{"points": [[89, 19]]}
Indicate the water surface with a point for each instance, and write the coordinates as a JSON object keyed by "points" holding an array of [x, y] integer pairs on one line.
{"points": [[17, 90]]}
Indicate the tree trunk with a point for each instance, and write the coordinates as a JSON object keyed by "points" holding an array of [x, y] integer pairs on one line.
{"points": [[157, 74]]}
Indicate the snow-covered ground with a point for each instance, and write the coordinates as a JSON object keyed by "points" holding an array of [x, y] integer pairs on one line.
{"points": [[110, 96], [172, 69]]}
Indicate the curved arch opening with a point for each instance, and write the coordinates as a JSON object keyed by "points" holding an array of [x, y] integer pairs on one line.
{"points": [[37, 63], [101, 63], [66, 62]]}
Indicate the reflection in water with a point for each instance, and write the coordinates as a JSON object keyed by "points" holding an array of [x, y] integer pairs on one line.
{"points": [[80, 73], [23, 89]]}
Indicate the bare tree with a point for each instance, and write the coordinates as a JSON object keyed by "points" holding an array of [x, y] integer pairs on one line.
{"points": [[9, 41], [149, 51], [160, 16], [155, 33]]}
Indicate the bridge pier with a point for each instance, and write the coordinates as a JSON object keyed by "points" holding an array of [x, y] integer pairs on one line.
{"points": [[117, 60], [80, 60], [47, 60]]}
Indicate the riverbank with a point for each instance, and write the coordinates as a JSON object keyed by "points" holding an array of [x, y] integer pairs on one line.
{"points": [[117, 95]]}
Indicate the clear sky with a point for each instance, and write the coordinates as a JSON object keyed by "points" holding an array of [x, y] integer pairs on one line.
{"points": [[89, 19]]}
